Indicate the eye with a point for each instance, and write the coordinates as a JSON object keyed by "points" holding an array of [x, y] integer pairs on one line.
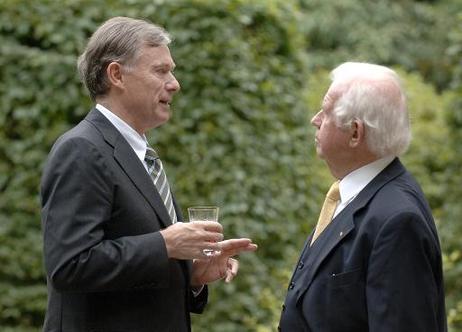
{"points": [[163, 71]]}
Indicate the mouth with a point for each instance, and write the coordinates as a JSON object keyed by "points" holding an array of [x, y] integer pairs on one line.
{"points": [[165, 102]]}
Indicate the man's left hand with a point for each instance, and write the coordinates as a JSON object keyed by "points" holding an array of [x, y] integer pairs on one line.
{"points": [[222, 265]]}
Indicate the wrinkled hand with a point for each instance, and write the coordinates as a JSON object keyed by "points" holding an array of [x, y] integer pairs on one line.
{"points": [[187, 240], [209, 269]]}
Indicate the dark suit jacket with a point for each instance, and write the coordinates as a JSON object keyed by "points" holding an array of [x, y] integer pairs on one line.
{"points": [[106, 262], [377, 267]]}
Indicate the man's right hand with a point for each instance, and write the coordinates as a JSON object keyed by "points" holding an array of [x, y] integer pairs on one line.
{"points": [[188, 240]]}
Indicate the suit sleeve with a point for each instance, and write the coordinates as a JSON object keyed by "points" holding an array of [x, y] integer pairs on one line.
{"points": [[403, 281], [77, 191], [199, 301]]}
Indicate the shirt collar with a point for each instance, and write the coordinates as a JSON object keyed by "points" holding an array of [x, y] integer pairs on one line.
{"points": [[352, 184], [134, 139]]}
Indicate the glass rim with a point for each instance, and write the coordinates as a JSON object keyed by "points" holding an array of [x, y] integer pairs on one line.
{"points": [[204, 207]]}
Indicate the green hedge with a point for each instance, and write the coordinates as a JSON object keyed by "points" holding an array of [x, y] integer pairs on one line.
{"points": [[239, 137]]}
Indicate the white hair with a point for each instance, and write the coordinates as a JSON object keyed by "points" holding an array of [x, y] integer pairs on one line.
{"points": [[373, 94]]}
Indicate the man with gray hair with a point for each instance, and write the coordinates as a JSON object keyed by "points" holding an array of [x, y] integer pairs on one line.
{"points": [[117, 255], [373, 262]]}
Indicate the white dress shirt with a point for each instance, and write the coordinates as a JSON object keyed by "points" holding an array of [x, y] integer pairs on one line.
{"points": [[352, 184], [135, 140]]}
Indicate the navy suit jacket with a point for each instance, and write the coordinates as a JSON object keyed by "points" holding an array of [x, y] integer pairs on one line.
{"points": [[106, 262], [377, 267]]}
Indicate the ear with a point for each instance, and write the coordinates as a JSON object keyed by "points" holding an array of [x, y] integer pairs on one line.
{"points": [[357, 133], [114, 74]]}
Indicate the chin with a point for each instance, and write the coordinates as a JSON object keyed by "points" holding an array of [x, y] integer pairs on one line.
{"points": [[162, 118], [166, 115], [319, 152]]}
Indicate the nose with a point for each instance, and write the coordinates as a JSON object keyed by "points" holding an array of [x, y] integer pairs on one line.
{"points": [[316, 119], [172, 84]]}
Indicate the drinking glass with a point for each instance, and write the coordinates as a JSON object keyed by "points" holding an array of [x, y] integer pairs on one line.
{"points": [[204, 213]]}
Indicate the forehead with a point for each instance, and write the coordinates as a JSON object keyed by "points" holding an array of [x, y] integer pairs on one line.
{"points": [[156, 56], [334, 92], [328, 99]]}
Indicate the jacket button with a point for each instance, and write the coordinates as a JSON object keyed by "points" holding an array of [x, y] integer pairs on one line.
{"points": [[300, 265], [292, 285]]}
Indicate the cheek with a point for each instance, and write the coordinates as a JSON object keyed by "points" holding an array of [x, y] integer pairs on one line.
{"points": [[326, 130], [157, 86], [323, 141], [328, 136]]}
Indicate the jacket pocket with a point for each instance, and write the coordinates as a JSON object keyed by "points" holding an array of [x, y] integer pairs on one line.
{"points": [[346, 301], [344, 279]]}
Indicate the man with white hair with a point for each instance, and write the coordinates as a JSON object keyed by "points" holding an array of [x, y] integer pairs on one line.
{"points": [[373, 262]]}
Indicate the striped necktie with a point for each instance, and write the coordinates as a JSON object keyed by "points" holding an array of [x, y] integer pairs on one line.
{"points": [[156, 170]]}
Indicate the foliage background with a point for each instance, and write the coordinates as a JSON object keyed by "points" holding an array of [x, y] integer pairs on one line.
{"points": [[252, 74]]}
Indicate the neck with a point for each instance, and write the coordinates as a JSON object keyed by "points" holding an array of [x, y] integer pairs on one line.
{"points": [[121, 113], [345, 169]]}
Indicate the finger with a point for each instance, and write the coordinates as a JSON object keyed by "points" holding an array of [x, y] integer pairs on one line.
{"points": [[211, 226], [207, 237], [205, 234], [235, 243], [231, 272], [212, 246], [233, 247], [213, 237], [233, 265], [251, 247]]}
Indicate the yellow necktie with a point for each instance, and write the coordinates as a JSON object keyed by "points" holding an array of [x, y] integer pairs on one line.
{"points": [[328, 209]]}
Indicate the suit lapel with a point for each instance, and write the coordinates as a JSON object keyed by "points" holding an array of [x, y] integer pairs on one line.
{"points": [[337, 230], [343, 224], [131, 165], [134, 169]]}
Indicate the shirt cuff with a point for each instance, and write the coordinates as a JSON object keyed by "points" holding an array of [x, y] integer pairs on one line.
{"points": [[196, 292]]}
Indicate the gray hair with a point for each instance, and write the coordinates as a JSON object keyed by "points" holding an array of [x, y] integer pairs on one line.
{"points": [[119, 39], [374, 95]]}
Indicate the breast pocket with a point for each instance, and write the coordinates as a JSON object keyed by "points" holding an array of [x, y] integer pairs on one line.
{"points": [[344, 279]]}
